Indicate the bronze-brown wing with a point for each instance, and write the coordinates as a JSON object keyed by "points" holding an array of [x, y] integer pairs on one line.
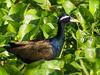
{"points": [[33, 50]]}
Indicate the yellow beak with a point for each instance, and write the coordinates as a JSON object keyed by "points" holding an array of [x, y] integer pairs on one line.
{"points": [[73, 20]]}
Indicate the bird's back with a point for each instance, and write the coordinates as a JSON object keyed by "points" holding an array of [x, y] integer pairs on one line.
{"points": [[32, 50]]}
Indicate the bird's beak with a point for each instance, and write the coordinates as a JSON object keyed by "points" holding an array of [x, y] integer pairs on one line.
{"points": [[73, 20]]}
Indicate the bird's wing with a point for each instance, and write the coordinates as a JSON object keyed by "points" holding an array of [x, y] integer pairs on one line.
{"points": [[33, 50]]}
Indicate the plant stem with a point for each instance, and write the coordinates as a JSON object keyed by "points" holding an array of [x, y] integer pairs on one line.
{"points": [[61, 51], [83, 67]]}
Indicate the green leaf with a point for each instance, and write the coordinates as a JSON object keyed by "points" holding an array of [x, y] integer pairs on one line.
{"points": [[51, 26], [55, 64], [44, 33], [4, 39], [1, 21], [12, 69], [7, 18], [44, 68], [40, 1], [97, 15], [91, 42], [90, 54], [98, 52], [97, 41], [45, 29], [93, 6], [98, 72], [34, 32], [80, 36], [13, 26], [17, 9], [8, 3], [76, 65], [48, 27], [76, 73], [29, 15], [3, 12], [44, 4], [68, 6], [2, 1], [26, 27], [2, 50], [3, 71], [81, 19], [88, 17]]}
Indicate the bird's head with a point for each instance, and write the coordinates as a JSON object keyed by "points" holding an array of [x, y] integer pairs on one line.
{"points": [[66, 19]]}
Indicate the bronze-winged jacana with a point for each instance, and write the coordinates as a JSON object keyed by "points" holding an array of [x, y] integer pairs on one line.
{"points": [[34, 50]]}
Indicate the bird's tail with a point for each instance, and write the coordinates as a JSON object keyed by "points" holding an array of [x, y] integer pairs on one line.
{"points": [[9, 45], [14, 45]]}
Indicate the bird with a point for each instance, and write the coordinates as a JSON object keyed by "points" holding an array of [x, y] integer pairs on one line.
{"points": [[47, 49]]}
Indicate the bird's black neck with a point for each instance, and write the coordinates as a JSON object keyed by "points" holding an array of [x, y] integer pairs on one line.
{"points": [[60, 33]]}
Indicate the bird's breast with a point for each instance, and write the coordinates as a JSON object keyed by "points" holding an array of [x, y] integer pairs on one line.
{"points": [[56, 47]]}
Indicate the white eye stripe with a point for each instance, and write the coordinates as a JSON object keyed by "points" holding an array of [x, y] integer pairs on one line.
{"points": [[64, 17]]}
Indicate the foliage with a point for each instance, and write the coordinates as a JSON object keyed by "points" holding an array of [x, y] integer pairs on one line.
{"points": [[31, 19]]}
